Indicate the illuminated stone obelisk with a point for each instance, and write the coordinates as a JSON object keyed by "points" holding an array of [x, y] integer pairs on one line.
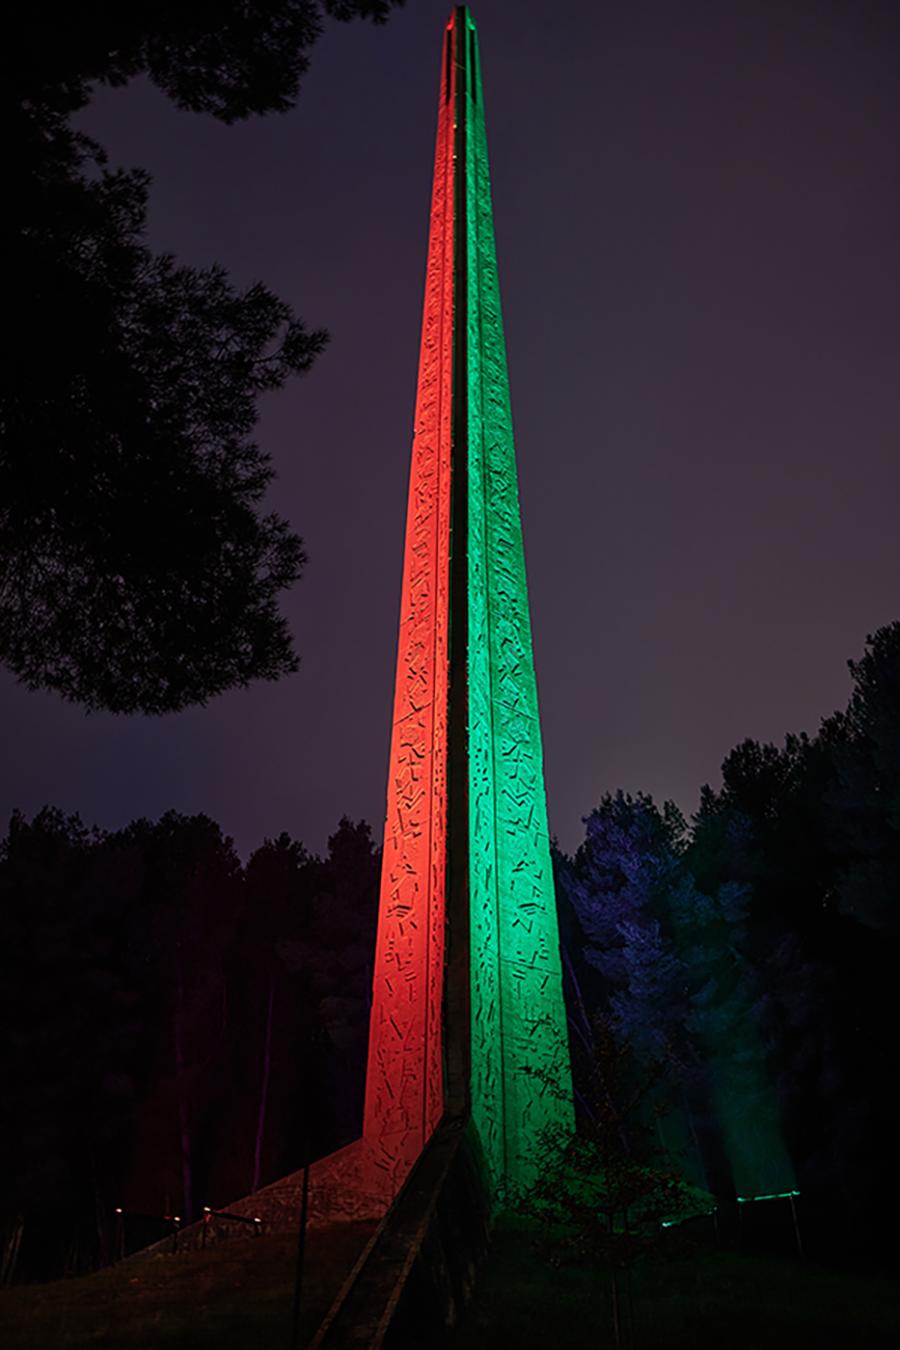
{"points": [[467, 1010]]}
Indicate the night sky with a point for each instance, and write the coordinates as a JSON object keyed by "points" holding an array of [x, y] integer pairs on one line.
{"points": [[697, 208]]}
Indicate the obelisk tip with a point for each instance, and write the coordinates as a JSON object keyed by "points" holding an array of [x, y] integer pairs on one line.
{"points": [[462, 15]]}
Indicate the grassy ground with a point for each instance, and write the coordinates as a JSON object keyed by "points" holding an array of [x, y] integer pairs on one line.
{"points": [[234, 1294], [239, 1294], [687, 1298]]}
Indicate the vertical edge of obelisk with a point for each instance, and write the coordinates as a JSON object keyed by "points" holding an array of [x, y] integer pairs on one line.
{"points": [[456, 998]]}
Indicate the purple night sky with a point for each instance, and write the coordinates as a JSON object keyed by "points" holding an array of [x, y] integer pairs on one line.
{"points": [[698, 214]]}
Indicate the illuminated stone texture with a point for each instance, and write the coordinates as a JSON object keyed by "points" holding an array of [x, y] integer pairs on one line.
{"points": [[463, 470], [517, 1011], [404, 1082]]}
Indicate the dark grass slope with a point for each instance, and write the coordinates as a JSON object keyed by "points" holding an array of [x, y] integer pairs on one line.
{"points": [[688, 1297], [234, 1294], [239, 1294]]}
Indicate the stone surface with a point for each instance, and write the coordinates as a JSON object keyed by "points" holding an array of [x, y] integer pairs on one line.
{"points": [[463, 474], [404, 1083]]}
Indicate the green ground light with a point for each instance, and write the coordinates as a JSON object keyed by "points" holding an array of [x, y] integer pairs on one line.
{"points": [[749, 1119]]}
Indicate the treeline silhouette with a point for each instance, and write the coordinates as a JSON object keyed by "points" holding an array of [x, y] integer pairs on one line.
{"points": [[176, 1029], [750, 963]]}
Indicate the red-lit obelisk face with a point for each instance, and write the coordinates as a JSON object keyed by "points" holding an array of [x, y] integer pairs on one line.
{"points": [[404, 1081]]}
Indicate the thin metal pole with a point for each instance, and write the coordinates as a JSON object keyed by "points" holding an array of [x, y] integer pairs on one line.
{"points": [[615, 1307], [632, 1338], [796, 1227], [301, 1253]]}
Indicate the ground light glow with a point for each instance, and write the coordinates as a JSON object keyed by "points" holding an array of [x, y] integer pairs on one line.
{"points": [[701, 1214], [748, 1114], [776, 1195]]}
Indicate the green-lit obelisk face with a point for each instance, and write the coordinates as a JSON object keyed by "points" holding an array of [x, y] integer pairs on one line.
{"points": [[466, 849], [518, 1017]]}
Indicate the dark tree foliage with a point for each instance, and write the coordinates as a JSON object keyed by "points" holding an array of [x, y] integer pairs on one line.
{"points": [[619, 886], [175, 1030], [300, 981], [137, 570], [272, 1004], [611, 1184], [863, 801], [336, 947], [71, 1037], [606, 1192], [626, 890], [224, 57], [189, 902], [810, 832], [757, 958]]}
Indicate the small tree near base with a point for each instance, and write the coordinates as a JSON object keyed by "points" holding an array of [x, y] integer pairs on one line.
{"points": [[608, 1193]]}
